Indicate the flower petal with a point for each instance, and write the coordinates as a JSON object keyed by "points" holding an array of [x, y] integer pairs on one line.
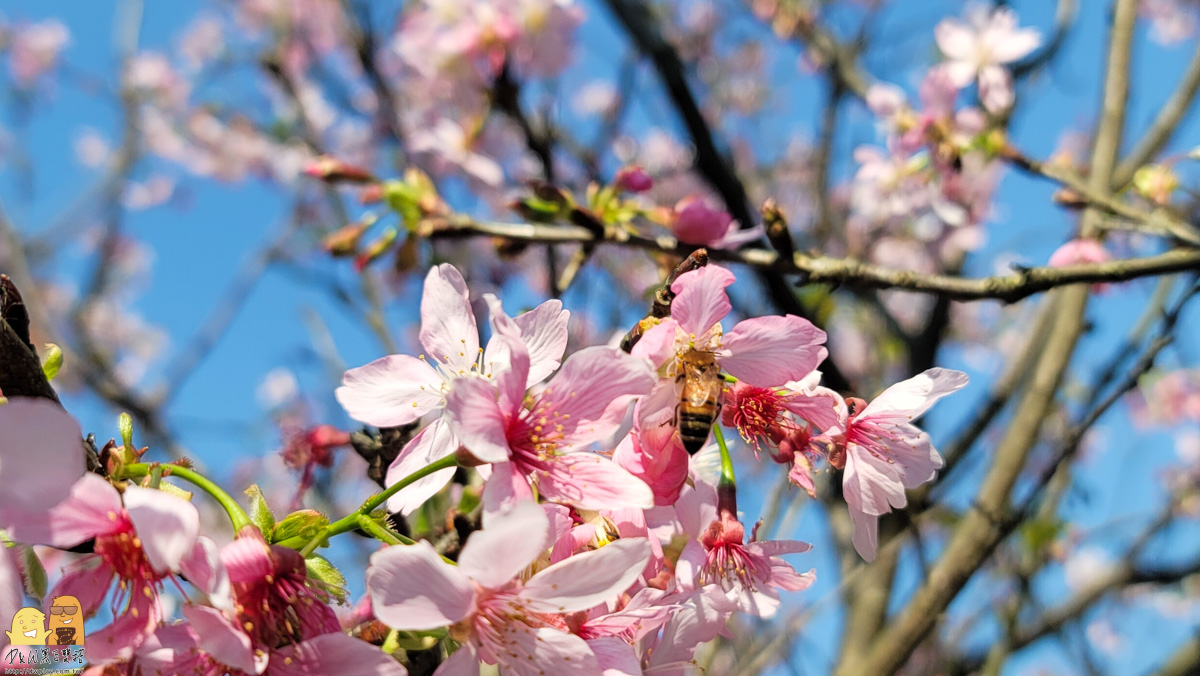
{"points": [[547, 651], [118, 640], [590, 481], [334, 653], [770, 351], [464, 662], [508, 543], [657, 342], [412, 588], [217, 636], [592, 392], [504, 488], [909, 399], [41, 454], [866, 534], [544, 331], [475, 417], [956, 40], [88, 580], [391, 391], [203, 568], [871, 483], [433, 443], [588, 579], [615, 656], [92, 508], [166, 524], [700, 298], [448, 330]]}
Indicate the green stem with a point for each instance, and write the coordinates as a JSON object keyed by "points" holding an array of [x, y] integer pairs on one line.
{"points": [[350, 521], [727, 476], [237, 515], [381, 532]]}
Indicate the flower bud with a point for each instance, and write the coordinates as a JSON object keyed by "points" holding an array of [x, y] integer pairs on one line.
{"points": [[1155, 182], [633, 178], [697, 223], [332, 170]]}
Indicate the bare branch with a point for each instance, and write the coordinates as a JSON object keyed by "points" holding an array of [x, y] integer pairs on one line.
{"points": [[842, 271], [1164, 126]]}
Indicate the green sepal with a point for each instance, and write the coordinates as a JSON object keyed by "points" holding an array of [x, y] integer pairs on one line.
{"points": [[52, 361], [320, 569], [260, 512], [298, 528]]}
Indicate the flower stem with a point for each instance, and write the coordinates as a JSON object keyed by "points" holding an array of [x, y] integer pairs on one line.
{"points": [[382, 533], [727, 476], [237, 515], [350, 522]]}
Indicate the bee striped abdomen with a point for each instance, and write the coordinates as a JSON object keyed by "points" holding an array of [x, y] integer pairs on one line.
{"points": [[699, 400]]}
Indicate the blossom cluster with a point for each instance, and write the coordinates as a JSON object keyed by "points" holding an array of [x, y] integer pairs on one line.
{"points": [[601, 544]]}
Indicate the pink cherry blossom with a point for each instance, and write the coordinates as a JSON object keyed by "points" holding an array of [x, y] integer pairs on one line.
{"points": [[701, 617], [399, 389], [276, 602], [981, 47], [749, 573], [775, 416], [1079, 251], [494, 614], [763, 351], [207, 645], [41, 455], [451, 148], [885, 454], [652, 451], [34, 49], [584, 403], [142, 537]]}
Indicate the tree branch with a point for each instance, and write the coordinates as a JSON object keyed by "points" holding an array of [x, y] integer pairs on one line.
{"points": [[1164, 126], [979, 533], [840, 271]]}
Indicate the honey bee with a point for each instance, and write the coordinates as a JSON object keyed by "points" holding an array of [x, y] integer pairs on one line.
{"points": [[699, 399]]}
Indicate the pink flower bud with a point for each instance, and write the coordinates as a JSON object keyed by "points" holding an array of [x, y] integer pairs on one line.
{"points": [[697, 223], [333, 170], [633, 178]]}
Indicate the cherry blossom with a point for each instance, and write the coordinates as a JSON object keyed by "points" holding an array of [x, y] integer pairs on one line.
{"points": [[584, 403], [497, 617], [142, 537], [981, 47], [399, 389], [749, 573], [884, 454], [764, 351]]}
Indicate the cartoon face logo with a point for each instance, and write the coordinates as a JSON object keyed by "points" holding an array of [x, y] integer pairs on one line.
{"points": [[28, 628], [66, 621]]}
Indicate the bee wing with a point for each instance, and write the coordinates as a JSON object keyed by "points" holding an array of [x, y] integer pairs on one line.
{"points": [[703, 385]]}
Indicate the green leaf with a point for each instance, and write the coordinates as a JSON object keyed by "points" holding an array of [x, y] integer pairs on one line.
{"points": [[34, 575], [298, 528], [126, 424], [53, 360], [260, 513], [320, 569]]}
